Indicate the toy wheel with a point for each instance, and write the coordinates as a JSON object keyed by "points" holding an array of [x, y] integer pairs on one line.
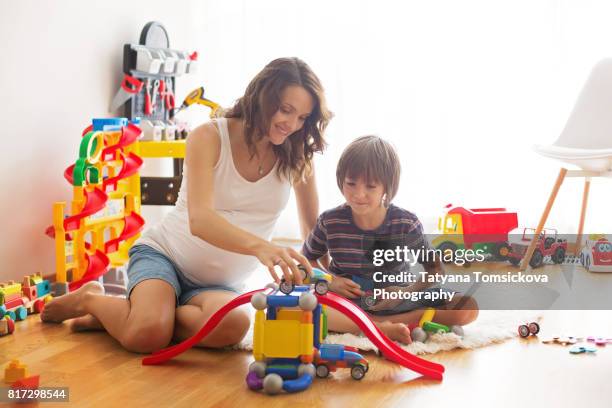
{"points": [[11, 315], [286, 287], [321, 287], [523, 330], [537, 259], [322, 371], [447, 248], [502, 250], [559, 255], [39, 305], [534, 328], [369, 301], [358, 372], [514, 261], [548, 242], [21, 313], [302, 271], [10, 325]]}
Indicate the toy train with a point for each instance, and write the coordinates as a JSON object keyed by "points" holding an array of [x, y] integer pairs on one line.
{"points": [[17, 300]]}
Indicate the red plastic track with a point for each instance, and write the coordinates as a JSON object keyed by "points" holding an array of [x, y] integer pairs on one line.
{"points": [[131, 164], [166, 354], [129, 134], [94, 202], [96, 266], [389, 349], [133, 225], [69, 174]]}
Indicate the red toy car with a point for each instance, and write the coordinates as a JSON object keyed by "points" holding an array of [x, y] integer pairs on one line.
{"points": [[596, 256], [548, 245]]}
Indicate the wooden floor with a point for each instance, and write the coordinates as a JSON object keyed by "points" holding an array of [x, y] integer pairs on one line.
{"points": [[525, 372]]}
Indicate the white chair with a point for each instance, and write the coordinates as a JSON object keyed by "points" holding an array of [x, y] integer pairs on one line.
{"points": [[586, 142]]}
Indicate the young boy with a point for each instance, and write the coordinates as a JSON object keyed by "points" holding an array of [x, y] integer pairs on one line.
{"points": [[354, 235]]}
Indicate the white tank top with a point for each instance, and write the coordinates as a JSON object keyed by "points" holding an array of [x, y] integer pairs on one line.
{"points": [[252, 206]]}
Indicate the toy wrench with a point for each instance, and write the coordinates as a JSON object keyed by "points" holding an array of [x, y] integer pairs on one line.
{"points": [[130, 86]]}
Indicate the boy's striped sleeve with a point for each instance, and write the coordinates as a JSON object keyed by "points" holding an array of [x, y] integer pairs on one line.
{"points": [[315, 245]]}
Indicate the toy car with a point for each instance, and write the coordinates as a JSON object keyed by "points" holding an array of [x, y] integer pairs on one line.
{"points": [[548, 245], [319, 278], [333, 356], [596, 256], [524, 330]]}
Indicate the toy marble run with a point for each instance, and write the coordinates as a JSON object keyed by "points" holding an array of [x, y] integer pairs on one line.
{"points": [[104, 217], [18, 300], [287, 340]]}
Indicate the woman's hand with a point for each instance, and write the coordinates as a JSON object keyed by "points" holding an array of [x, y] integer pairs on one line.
{"points": [[287, 259], [345, 287]]}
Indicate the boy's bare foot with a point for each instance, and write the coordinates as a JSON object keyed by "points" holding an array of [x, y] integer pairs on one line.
{"points": [[70, 305], [396, 331], [85, 323]]}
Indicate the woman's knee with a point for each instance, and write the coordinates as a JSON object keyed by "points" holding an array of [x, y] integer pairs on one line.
{"points": [[148, 335], [233, 328]]}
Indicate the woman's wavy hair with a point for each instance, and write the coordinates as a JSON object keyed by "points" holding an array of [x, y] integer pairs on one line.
{"points": [[261, 101]]}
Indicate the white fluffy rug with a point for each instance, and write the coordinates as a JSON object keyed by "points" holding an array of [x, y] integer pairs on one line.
{"points": [[492, 326]]}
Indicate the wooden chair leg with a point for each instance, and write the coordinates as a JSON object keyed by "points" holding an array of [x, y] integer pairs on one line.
{"points": [[585, 199], [551, 200]]}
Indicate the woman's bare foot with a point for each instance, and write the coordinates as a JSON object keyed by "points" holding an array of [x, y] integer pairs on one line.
{"points": [[70, 305], [396, 331], [85, 323]]}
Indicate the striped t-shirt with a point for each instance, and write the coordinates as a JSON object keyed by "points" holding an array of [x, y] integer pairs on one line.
{"points": [[352, 249]]}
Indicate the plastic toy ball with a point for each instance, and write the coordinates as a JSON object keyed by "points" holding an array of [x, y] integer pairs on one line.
{"points": [[259, 301], [458, 330], [418, 334], [524, 330], [273, 384]]}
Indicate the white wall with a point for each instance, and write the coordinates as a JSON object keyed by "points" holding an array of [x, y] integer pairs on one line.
{"points": [[61, 65], [463, 89]]}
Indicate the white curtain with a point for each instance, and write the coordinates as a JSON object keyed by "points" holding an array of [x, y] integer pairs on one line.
{"points": [[462, 89]]}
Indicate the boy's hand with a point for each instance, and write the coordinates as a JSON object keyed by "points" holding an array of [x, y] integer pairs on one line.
{"points": [[345, 287]]}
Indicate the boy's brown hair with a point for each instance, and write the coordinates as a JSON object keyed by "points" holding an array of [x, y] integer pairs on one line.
{"points": [[374, 160]]}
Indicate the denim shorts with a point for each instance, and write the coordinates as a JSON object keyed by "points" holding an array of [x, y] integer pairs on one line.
{"points": [[148, 263]]}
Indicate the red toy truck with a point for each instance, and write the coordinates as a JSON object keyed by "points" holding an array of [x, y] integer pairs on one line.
{"points": [[548, 245], [477, 228]]}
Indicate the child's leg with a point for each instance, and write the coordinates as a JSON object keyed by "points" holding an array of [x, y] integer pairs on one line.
{"points": [[191, 317], [141, 324], [397, 331], [461, 311]]}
